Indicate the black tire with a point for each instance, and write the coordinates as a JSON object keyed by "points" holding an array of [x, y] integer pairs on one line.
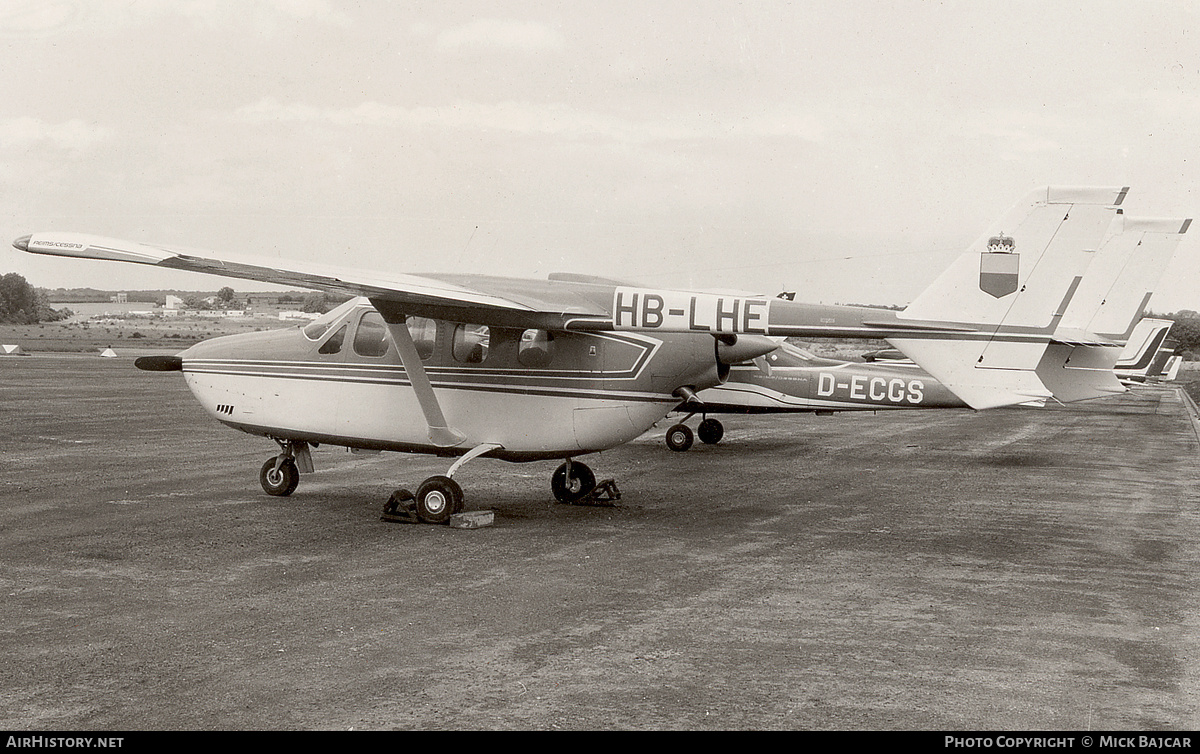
{"points": [[579, 486], [679, 437], [279, 483], [438, 498], [710, 431]]}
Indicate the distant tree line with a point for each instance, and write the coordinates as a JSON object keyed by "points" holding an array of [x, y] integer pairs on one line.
{"points": [[1185, 332], [22, 304]]}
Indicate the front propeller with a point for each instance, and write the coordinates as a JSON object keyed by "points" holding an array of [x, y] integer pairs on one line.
{"points": [[159, 363]]}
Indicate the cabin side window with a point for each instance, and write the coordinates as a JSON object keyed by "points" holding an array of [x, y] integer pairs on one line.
{"points": [[471, 343], [371, 337], [334, 344], [424, 334], [535, 349]]}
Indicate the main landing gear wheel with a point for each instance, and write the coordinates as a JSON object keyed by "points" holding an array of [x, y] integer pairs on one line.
{"points": [[573, 485], [710, 431], [438, 498], [280, 481], [679, 437]]}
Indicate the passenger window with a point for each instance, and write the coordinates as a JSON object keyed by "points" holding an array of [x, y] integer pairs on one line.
{"points": [[334, 344], [370, 339], [424, 334], [535, 348], [471, 343]]}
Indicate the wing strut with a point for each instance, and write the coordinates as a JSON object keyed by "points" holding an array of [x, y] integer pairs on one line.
{"points": [[440, 433]]}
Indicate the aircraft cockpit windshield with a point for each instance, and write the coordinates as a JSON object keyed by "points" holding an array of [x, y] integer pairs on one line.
{"points": [[319, 326]]}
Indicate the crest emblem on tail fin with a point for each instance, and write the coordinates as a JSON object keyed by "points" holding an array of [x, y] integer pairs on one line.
{"points": [[998, 267]]}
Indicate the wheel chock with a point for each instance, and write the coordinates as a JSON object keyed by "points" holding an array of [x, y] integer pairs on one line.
{"points": [[604, 493], [401, 508]]}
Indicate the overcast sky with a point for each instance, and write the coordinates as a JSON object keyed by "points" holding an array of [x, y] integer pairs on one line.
{"points": [[847, 150]]}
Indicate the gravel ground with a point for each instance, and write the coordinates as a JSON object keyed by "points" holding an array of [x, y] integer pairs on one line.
{"points": [[937, 570]]}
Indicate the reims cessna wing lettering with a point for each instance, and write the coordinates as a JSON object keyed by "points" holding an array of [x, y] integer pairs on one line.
{"points": [[1084, 359], [522, 370]]}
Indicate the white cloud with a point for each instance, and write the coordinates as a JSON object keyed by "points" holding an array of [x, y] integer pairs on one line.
{"points": [[75, 135]]}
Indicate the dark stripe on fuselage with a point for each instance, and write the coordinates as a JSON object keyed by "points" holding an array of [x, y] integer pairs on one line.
{"points": [[497, 381]]}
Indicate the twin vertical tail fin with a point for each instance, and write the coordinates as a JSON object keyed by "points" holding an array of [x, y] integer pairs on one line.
{"points": [[1146, 353], [1121, 279], [1009, 290], [1084, 359]]}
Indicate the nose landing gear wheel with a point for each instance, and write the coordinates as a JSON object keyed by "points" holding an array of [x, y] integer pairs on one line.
{"points": [[578, 485], [279, 482], [679, 437], [438, 498]]}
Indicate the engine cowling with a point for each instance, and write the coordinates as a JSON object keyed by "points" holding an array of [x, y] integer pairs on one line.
{"points": [[736, 349], [728, 349]]}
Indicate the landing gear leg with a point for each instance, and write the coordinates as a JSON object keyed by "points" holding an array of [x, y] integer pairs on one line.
{"points": [[280, 475], [680, 437], [572, 481], [575, 484]]}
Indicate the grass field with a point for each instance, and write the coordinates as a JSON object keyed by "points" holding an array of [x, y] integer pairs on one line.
{"points": [[169, 334]]}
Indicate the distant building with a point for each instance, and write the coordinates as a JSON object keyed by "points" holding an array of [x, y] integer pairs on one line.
{"points": [[173, 302], [255, 300], [120, 298]]}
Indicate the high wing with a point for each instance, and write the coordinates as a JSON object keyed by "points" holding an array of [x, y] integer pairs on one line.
{"points": [[514, 302]]}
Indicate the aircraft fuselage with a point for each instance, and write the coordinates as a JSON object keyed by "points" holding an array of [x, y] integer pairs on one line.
{"points": [[536, 394], [789, 380]]}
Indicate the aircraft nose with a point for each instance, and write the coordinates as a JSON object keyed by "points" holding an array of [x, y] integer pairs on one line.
{"points": [[22, 243]]}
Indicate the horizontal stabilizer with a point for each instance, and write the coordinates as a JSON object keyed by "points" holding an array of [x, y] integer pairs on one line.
{"points": [[1078, 373], [954, 363]]}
